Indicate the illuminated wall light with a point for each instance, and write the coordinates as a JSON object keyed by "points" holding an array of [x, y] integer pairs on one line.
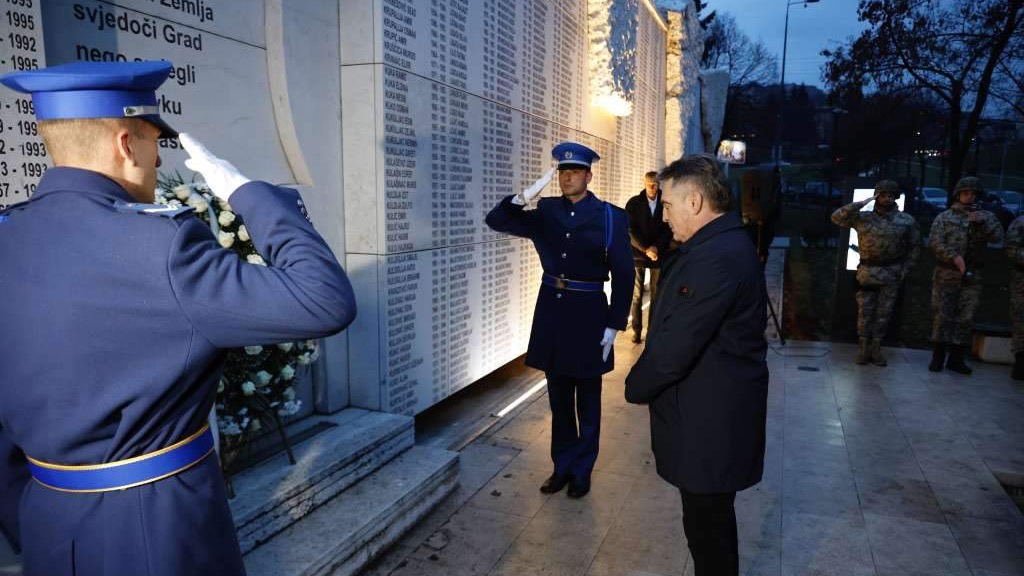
{"points": [[614, 104], [613, 28]]}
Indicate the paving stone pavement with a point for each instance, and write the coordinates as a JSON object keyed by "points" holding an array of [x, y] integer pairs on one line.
{"points": [[868, 471]]}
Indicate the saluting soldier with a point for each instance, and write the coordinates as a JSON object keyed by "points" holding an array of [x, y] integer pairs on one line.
{"points": [[888, 244], [956, 237], [117, 314], [1015, 251], [580, 240]]}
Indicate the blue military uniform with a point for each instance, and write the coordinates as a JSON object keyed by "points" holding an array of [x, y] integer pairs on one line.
{"points": [[117, 316], [579, 245]]}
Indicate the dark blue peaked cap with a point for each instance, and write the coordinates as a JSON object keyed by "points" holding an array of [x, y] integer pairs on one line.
{"points": [[96, 90], [573, 155]]}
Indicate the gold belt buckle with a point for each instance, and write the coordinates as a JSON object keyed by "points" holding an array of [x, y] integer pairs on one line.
{"points": [[560, 283]]}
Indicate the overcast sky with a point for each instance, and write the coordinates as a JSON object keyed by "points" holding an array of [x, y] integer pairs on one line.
{"points": [[822, 25]]}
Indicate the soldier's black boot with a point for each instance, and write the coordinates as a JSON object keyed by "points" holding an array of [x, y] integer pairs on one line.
{"points": [[876, 353], [1018, 366], [863, 353], [956, 360], [938, 357]]}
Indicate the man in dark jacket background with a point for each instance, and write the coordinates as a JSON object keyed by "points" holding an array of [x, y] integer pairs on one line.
{"points": [[649, 236], [703, 371]]}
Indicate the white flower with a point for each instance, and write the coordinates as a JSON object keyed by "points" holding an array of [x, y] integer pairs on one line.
{"points": [[182, 192], [231, 429], [255, 425], [199, 203], [248, 388], [289, 393], [305, 359], [226, 239], [256, 259], [223, 205], [285, 347], [287, 373], [243, 233], [263, 377], [253, 350], [289, 408], [174, 203], [226, 218]]}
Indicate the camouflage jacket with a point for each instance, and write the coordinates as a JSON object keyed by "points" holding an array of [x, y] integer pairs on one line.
{"points": [[888, 242], [1015, 244], [953, 235]]}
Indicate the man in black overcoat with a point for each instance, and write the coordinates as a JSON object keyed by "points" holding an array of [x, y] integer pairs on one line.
{"points": [[703, 371], [649, 236], [581, 240]]}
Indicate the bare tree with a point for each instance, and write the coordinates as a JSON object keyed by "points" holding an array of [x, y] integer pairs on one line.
{"points": [[748, 61], [964, 52]]}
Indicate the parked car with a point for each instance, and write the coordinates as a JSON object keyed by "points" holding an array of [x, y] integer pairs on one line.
{"points": [[935, 196], [819, 194], [994, 204], [920, 205], [1011, 199]]}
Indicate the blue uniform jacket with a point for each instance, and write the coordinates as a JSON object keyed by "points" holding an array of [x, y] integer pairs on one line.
{"points": [[114, 328], [703, 371], [570, 239]]}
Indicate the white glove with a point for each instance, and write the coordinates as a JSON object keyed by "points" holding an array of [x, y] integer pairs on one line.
{"points": [[220, 175], [607, 342], [526, 196]]}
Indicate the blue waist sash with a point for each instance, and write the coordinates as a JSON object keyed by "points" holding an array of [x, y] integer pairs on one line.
{"points": [[128, 473], [566, 284]]}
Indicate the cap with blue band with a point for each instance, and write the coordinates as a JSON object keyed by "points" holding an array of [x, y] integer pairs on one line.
{"points": [[82, 90], [572, 155]]}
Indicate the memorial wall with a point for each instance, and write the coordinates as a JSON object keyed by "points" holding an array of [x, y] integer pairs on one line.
{"points": [[235, 65], [402, 122], [449, 106]]}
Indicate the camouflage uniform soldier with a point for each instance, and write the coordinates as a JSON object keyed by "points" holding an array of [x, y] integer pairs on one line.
{"points": [[956, 237], [888, 244], [1015, 251]]}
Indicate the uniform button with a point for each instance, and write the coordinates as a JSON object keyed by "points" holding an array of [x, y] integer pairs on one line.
{"points": [[559, 295], [563, 254], [572, 213], [567, 235]]}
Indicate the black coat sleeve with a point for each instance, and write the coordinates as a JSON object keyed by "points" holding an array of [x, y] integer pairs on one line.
{"points": [[512, 219], [14, 476], [686, 324]]}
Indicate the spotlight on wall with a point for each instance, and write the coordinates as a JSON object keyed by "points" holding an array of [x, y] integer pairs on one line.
{"points": [[614, 104]]}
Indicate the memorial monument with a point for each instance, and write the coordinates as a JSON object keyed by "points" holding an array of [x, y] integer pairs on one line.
{"points": [[402, 122]]}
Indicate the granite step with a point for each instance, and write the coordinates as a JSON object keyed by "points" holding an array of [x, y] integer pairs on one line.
{"points": [[274, 495], [344, 535]]}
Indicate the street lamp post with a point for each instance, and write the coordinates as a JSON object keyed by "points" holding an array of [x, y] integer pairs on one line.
{"points": [[782, 80]]}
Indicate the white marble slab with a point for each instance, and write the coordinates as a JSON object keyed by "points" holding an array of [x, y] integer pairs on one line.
{"points": [[23, 157]]}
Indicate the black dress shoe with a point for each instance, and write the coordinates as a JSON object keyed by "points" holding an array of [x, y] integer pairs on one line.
{"points": [[554, 483], [578, 488]]}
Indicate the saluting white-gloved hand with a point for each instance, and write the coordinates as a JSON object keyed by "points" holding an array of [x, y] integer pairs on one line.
{"points": [[607, 342], [527, 196], [220, 175]]}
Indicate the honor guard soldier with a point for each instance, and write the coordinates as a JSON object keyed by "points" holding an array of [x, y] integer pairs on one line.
{"points": [[956, 237], [117, 314], [580, 240], [889, 242]]}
